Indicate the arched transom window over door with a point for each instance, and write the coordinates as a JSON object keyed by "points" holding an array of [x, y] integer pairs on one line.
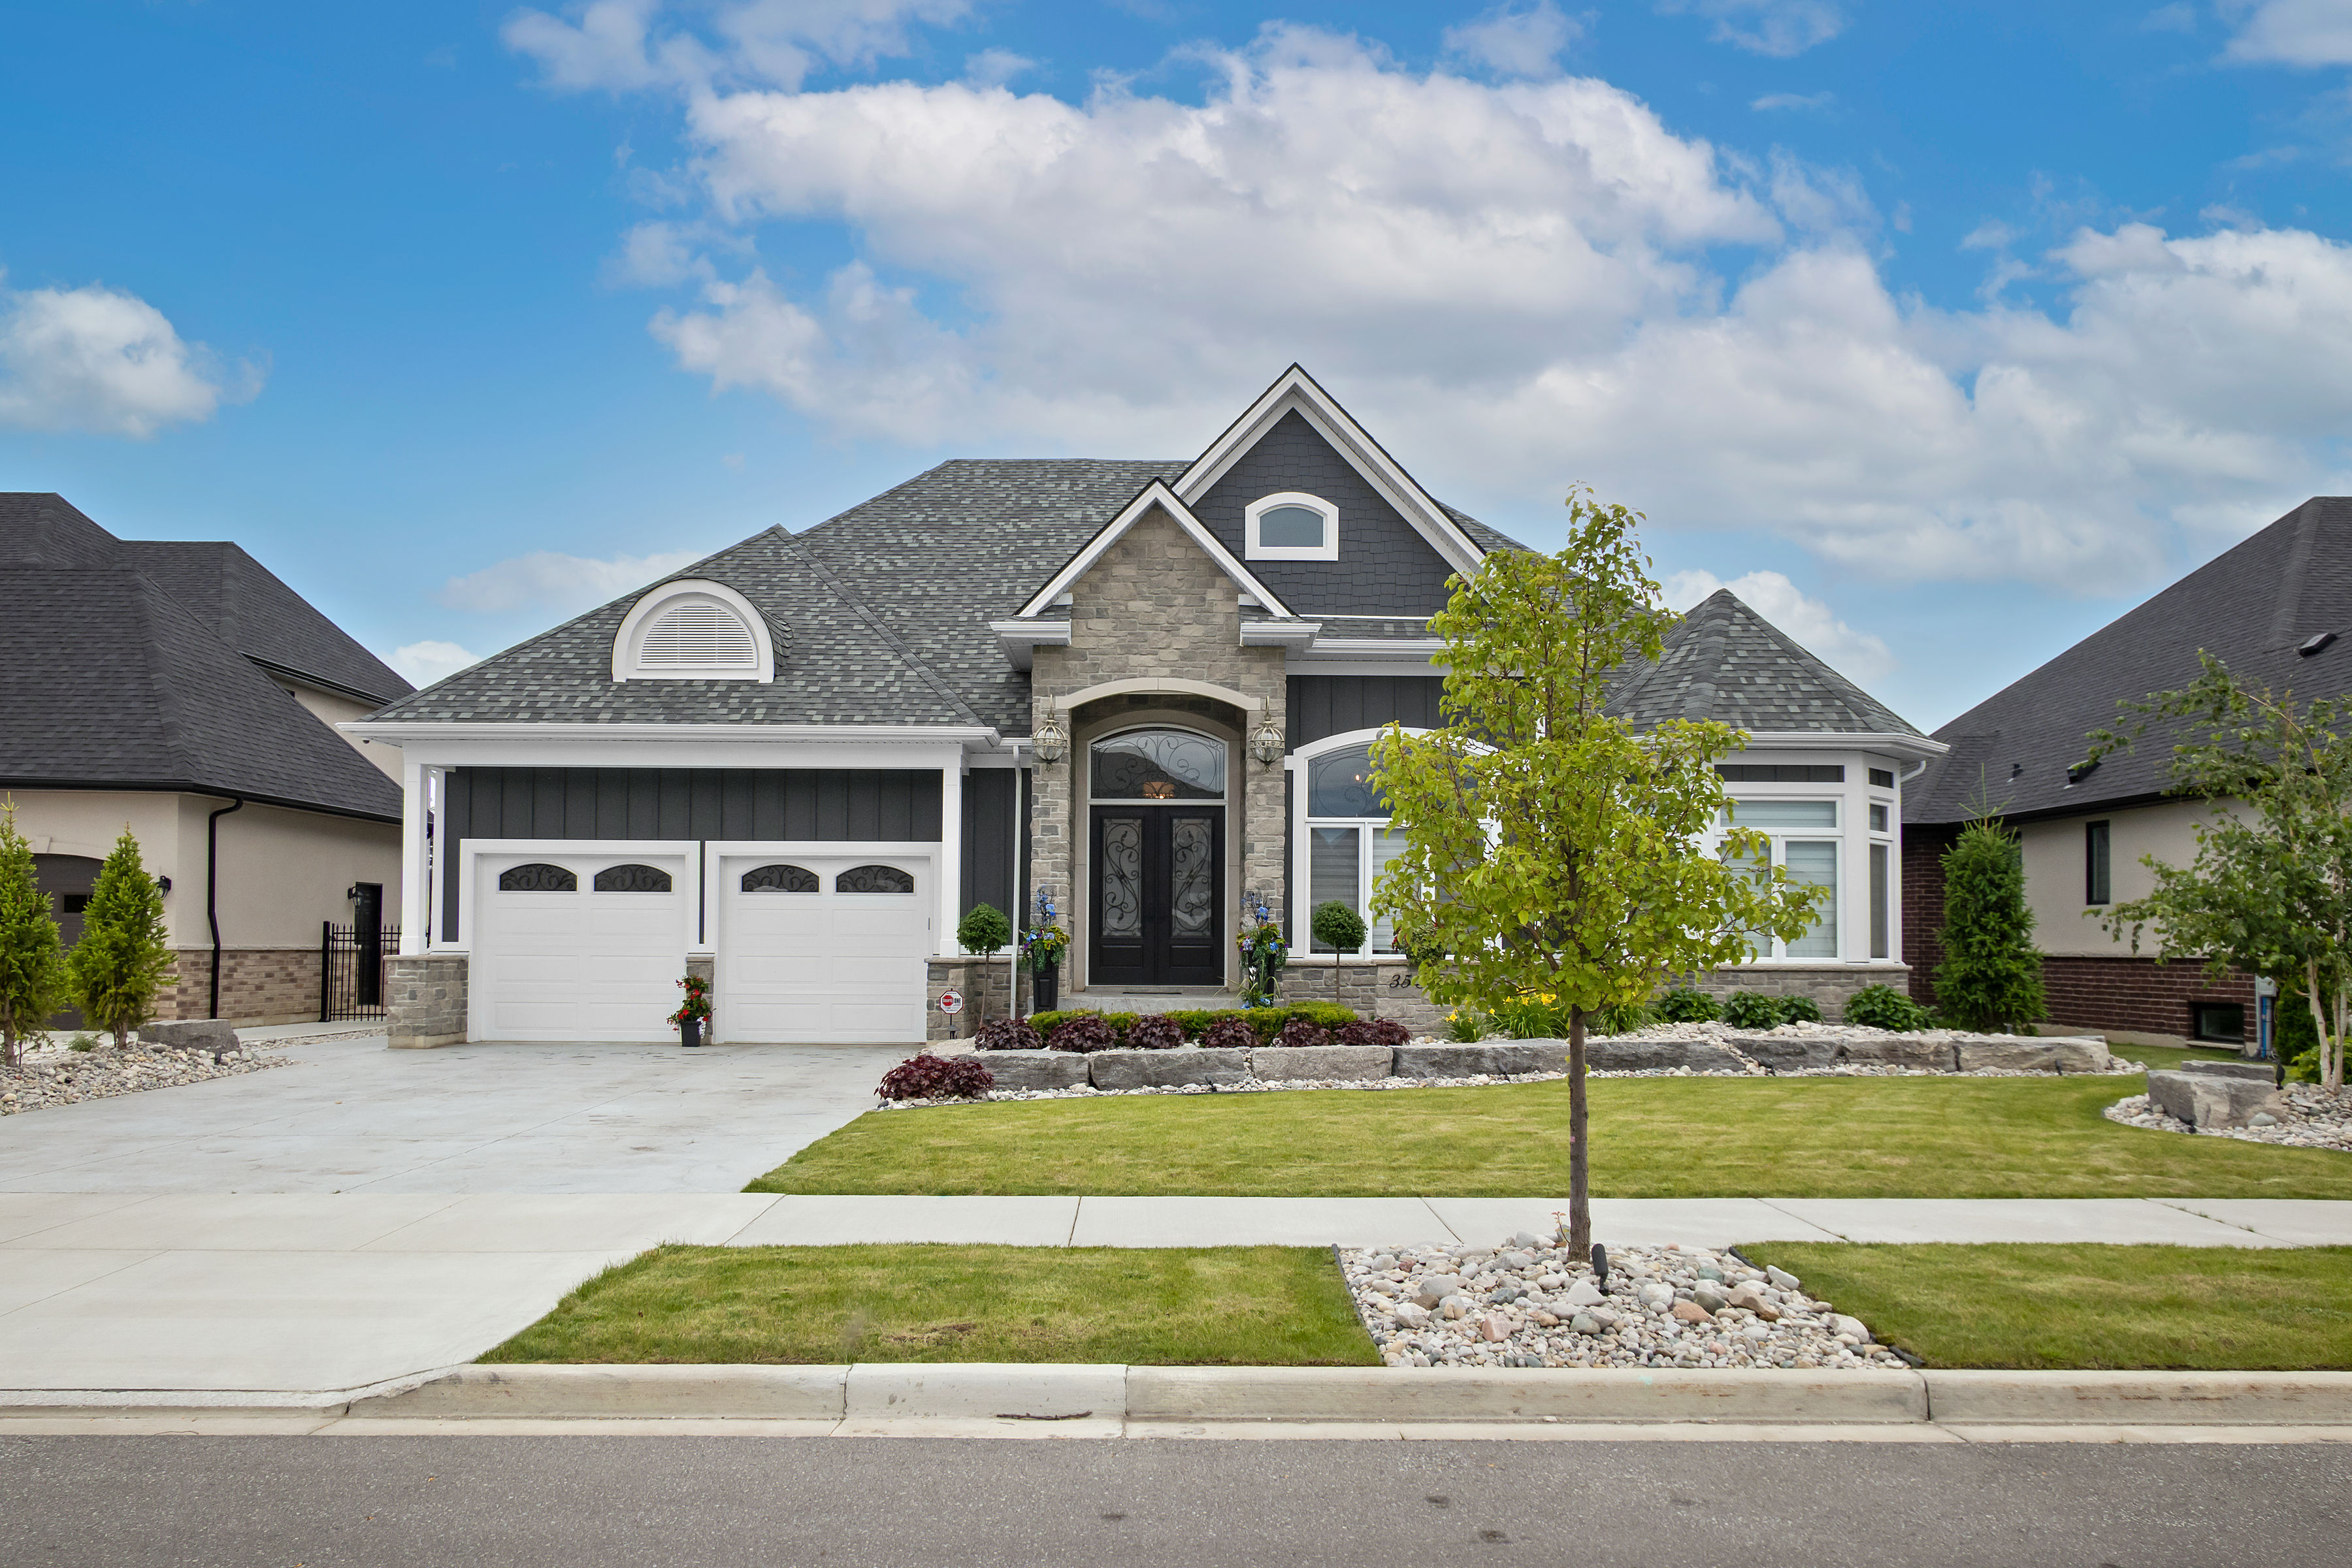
{"points": [[1157, 764]]}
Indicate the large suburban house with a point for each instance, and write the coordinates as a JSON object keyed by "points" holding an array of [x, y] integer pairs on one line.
{"points": [[2274, 609], [1141, 689], [181, 689]]}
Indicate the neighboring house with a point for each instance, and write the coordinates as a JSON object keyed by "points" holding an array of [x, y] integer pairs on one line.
{"points": [[182, 690], [1143, 689], [2272, 608]]}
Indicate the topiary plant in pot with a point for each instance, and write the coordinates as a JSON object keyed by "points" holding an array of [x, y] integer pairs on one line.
{"points": [[1341, 930]]}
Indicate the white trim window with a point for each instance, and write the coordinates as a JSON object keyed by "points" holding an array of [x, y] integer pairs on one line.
{"points": [[1291, 525], [693, 631], [1805, 842], [1343, 838]]}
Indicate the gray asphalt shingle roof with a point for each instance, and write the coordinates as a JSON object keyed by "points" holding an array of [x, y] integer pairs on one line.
{"points": [[260, 616], [107, 680], [2252, 606], [1725, 662]]}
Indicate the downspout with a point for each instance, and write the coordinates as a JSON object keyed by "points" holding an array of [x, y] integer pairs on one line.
{"points": [[212, 893]]}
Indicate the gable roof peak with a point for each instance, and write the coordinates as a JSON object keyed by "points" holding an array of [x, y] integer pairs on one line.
{"points": [[1154, 495]]}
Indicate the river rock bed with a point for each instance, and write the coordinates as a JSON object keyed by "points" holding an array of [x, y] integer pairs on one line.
{"points": [[2315, 1120], [1528, 1304], [59, 1075]]}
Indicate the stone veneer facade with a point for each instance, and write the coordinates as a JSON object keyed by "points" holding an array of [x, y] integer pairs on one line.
{"points": [[424, 994], [1157, 612]]}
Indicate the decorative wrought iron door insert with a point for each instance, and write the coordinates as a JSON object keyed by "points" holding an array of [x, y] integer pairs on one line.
{"points": [[1159, 896]]}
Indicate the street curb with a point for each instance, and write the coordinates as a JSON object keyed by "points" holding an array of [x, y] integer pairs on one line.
{"points": [[874, 1394]]}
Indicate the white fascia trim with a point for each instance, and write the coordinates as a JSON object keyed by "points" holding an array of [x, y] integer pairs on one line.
{"points": [[1019, 639], [1919, 746], [399, 732], [1157, 494], [1279, 634], [1296, 389], [661, 597], [1424, 648]]}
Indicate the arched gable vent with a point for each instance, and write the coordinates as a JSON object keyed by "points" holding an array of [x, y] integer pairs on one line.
{"points": [[693, 631]]}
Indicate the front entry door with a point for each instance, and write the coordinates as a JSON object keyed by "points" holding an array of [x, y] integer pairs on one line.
{"points": [[1159, 896]]}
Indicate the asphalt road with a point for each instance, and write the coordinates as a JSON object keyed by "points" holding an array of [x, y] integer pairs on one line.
{"points": [[481, 1502]]}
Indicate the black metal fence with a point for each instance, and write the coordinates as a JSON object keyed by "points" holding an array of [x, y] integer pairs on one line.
{"points": [[350, 970]]}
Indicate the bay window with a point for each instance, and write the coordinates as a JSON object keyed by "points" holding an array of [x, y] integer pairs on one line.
{"points": [[1805, 843]]}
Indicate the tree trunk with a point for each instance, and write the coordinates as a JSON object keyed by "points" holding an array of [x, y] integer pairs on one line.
{"points": [[1579, 1168]]}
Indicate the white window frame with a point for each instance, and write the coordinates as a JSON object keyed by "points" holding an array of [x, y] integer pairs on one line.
{"points": [[1302, 845], [1254, 549], [1842, 901], [628, 643]]}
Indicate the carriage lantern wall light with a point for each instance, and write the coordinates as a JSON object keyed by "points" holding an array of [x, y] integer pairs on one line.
{"points": [[1265, 742], [1052, 740]]}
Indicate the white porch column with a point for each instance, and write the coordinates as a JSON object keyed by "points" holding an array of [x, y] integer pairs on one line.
{"points": [[416, 858], [951, 857]]}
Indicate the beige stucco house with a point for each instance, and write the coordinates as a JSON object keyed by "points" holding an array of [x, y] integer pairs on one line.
{"points": [[181, 690]]}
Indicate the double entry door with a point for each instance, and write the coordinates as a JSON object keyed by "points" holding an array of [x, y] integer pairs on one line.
{"points": [[1159, 896]]}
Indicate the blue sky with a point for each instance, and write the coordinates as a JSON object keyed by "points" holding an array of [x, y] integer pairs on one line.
{"points": [[1942, 332]]}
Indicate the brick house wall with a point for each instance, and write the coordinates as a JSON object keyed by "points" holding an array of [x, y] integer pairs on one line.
{"points": [[258, 986], [1923, 905]]}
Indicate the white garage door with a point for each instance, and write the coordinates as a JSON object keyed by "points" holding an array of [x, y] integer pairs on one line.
{"points": [[816, 950], [578, 947]]}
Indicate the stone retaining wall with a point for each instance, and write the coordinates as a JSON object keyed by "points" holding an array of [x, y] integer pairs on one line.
{"points": [[1831, 986], [1385, 984]]}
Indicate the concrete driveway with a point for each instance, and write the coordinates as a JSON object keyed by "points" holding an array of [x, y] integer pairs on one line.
{"points": [[353, 1117]]}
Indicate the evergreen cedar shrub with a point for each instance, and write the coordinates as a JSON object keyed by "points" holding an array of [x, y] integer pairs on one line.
{"points": [[1884, 1007], [1008, 1035], [1231, 1032], [1991, 977], [32, 967], [1686, 1005], [1154, 1032], [1303, 1033], [120, 960], [927, 1077], [1082, 1032], [1374, 1032]]}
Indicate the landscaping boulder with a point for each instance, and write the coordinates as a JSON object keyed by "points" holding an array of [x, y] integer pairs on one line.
{"points": [[1350, 1064], [1895, 1051], [1608, 1054], [1034, 1069], [1782, 1053], [2265, 1072], [1494, 1059], [2209, 1100], [1162, 1069], [2032, 1054], [212, 1035]]}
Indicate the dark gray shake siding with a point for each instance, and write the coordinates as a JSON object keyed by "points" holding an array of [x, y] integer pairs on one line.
{"points": [[818, 805], [1384, 567]]}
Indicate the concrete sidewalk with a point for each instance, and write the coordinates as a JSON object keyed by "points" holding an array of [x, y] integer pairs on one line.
{"points": [[309, 1291]]}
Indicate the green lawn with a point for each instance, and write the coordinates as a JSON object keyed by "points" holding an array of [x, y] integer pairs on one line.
{"points": [[2015, 1305], [1255, 1305], [1692, 1136]]}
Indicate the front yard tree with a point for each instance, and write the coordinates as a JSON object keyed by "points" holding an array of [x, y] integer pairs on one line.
{"points": [[1550, 848], [984, 930], [2271, 889], [32, 970], [122, 958], [1991, 977]]}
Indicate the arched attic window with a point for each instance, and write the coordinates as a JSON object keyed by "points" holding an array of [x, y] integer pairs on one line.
{"points": [[693, 631]]}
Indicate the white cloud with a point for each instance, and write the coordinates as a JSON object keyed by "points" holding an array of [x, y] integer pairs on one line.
{"points": [[1520, 285], [1776, 27], [563, 584], [423, 663], [1515, 42], [96, 358], [994, 67], [1858, 655], [2291, 32], [2177, 17], [627, 45], [1804, 101]]}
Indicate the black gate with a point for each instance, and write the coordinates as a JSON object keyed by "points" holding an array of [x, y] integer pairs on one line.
{"points": [[350, 970]]}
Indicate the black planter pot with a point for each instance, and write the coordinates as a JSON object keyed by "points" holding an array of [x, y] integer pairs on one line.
{"points": [[689, 1032], [1045, 988]]}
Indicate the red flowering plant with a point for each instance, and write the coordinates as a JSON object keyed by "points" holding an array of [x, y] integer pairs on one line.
{"points": [[697, 1000]]}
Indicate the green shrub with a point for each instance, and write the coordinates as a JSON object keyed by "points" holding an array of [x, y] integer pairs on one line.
{"points": [[1465, 1026], [1991, 977], [1800, 1010], [1622, 1020], [123, 959], [1195, 1021], [1121, 1023], [1046, 1023], [1751, 1010], [1884, 1007], [1329, 1015], [1687, 1004]]}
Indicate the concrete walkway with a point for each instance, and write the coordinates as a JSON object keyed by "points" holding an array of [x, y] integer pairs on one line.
{"points": [[313, 1291]]}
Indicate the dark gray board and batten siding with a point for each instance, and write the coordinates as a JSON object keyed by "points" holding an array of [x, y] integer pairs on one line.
{"points": [[990, 843], [805, 804], [1322, 706]]}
